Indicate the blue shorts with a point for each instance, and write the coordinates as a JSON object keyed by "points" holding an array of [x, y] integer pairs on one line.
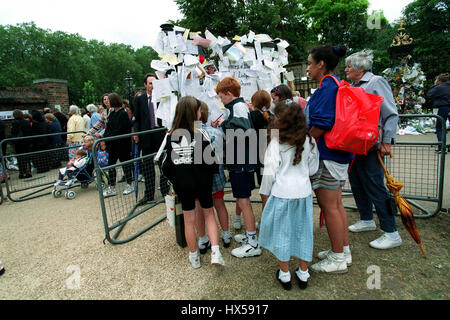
{"points": [[242, 184]]}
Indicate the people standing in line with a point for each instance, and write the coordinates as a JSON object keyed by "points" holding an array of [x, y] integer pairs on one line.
{"points": [[75, 125], [95, 116], [440, 93], [219, 180], [63, 122], [98, 129], [41, 160], [119, 149], [186, 165], [327, 183], [3, 171], [86, 118], [22, 128], [56, 141], [287, 220], [244, 163], [145, 119], [366, 174]]}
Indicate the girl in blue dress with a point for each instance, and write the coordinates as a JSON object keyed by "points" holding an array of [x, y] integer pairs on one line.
{"points": [[287, 220]]}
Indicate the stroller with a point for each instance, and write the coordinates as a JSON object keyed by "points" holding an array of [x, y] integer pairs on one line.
{"points": [[82, 176]]}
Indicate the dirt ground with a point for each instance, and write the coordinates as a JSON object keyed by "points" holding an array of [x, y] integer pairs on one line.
{"points": [[53, 249]]}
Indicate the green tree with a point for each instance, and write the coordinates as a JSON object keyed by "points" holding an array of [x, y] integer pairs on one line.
{"points": [[28, 52], [427, 21]]}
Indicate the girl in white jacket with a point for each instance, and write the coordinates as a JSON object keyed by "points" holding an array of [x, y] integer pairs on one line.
{"points": [[287, 220]]}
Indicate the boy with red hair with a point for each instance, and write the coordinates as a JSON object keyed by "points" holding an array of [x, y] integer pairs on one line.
{"points": [[236, 129]]}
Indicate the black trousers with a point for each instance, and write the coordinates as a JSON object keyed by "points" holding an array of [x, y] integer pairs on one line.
{"points": [[122, 154]]}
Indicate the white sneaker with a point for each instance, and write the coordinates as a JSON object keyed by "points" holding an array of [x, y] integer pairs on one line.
{"points": [[362, 225], [217, 259], [237, 224], [109, 192], [324, 254], [331, 264], [241, 238], [195, 261], [141, 178], [128, 189], [385, 242], [246, 250]]}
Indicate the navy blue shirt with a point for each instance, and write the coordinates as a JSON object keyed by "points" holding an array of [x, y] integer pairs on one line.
{"points": [[321, 114]]}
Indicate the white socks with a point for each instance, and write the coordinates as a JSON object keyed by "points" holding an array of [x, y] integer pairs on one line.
{"points": [[302, 275], [284, 276], [203, 240], [252, 239], [226, 235]]}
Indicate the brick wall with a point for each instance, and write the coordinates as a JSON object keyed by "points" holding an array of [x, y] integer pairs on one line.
{"points": [[56, 92]]}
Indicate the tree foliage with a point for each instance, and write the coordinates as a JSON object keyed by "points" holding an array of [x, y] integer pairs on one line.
{"points": [[28, 53], [303, 23], [427, 21]]}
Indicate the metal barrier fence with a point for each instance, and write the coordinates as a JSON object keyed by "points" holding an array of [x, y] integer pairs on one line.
{"points": [[125, 204], [420, 168], [36, 171]]}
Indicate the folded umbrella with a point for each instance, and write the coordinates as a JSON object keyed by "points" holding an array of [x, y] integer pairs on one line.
{"points": [[403, 206]]}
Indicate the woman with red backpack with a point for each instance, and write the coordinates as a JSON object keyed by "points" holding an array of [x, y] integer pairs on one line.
{"points": [[327, 183]]}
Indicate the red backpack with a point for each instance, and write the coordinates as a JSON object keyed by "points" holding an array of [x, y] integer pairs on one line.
{"points": [[356, 122]]}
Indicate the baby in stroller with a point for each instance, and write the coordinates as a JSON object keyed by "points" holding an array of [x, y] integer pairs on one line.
{"points": [[73, 165], [80, 170]]}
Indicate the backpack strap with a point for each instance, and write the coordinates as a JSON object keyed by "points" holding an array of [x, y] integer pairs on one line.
{"points": [[329, 76]]}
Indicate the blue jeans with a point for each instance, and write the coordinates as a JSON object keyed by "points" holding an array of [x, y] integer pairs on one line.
{"points": [[444, 112], [367, 182]]}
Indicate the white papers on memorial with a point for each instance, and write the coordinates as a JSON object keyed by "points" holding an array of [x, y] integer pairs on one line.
{"points": [[255, 60]]}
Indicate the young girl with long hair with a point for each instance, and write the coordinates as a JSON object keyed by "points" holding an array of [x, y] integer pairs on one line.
{"points": [[287, 220], [189, 164]]}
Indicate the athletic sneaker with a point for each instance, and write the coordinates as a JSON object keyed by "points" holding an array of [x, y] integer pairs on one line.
{"points": [[217, 259], [331, 264], [195, 261], [128, 189], [246, 250], [363, 225], [385, 242], [109, 192], [324, 254], [241, 238]]}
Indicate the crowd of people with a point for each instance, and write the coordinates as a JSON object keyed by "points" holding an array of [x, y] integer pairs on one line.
{"points": [[197, 157]]}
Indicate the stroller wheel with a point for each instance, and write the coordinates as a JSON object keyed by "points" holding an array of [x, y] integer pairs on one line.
{"points": [[70, 195], [57, 193], [84, 185]]}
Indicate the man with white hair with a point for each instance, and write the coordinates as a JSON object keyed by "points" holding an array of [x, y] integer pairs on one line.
{"points": [[366, 175]]}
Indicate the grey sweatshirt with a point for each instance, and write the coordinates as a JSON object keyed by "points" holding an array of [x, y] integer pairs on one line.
{"points": [[387, 125]]}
